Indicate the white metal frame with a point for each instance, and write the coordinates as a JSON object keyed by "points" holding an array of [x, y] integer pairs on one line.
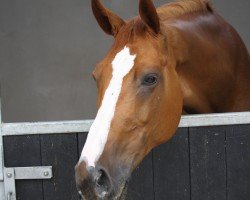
{"points": [[81, 126], [9, 175]]}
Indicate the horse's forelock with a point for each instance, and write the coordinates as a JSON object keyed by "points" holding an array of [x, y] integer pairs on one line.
{"points": [[134, 28]]}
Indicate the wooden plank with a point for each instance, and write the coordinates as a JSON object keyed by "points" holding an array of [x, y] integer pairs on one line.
{"points": [[171, 168], [61, 152], [238, 162], [81, 141], [141, 183], [23, 151], [208, 163]]}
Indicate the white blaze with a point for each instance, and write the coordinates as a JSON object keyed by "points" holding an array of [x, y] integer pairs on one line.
{"points": [[98, 133]]}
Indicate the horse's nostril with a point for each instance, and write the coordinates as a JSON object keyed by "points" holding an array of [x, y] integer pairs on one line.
{"points": [[100, 178], [102, 182]]}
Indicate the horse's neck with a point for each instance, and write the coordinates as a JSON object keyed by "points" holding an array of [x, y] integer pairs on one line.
{"points": [[212, 63]]}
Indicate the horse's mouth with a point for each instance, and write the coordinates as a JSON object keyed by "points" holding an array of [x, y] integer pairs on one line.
{"points": [[119, 195]]}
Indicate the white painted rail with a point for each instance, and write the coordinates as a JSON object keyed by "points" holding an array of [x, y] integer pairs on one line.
{"points": [[84, 125], [215, 119]]}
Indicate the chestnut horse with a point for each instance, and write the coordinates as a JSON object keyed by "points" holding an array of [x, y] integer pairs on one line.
{"points": [[181, 56]]}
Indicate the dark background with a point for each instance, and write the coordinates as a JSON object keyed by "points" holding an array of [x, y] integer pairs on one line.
{"points": [[48, 49]]}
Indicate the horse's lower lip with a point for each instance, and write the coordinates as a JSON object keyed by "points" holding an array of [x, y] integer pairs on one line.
{"points": [[124, 192], [119, 196]]}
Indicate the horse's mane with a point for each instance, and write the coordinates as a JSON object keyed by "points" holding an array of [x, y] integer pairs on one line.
{"points": [[181, 7]]}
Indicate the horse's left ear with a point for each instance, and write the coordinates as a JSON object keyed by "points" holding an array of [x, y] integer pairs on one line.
{"points": [[149, 15]]}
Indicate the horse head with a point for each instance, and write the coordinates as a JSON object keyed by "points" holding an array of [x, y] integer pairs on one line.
{"points": [[139, 101]]}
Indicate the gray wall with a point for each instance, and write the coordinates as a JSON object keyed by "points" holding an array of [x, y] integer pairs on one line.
{"points": [[48, 49]]}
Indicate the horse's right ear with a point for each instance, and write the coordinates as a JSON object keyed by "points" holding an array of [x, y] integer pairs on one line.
{"points": [[108, 21]]}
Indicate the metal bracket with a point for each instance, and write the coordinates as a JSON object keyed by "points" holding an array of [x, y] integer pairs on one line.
{"points": [[44, 172], [24, 173], [9, 184]]}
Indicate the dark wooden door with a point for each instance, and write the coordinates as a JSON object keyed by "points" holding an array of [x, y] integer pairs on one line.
{"points": [[208, 163]]}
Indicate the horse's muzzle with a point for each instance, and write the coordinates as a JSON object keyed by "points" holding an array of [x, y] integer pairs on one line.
{"points": [[93, 183]]}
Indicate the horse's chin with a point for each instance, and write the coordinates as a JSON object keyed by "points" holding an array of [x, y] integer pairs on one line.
{"points": [[120, 194]]}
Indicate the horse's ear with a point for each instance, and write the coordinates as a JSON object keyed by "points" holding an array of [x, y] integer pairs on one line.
{"points": [[149, 15], [108, 21]]}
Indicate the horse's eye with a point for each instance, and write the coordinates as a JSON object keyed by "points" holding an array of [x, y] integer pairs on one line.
{"points": [[149, 79]]}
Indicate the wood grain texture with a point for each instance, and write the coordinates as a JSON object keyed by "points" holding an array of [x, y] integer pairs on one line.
{"points": [[171, 168], [208, 164], [61, 152], [141, 184], [238, 162]]}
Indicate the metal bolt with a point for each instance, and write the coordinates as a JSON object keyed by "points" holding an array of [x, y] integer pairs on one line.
{"points": [[9, 175], [46, 173]]}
